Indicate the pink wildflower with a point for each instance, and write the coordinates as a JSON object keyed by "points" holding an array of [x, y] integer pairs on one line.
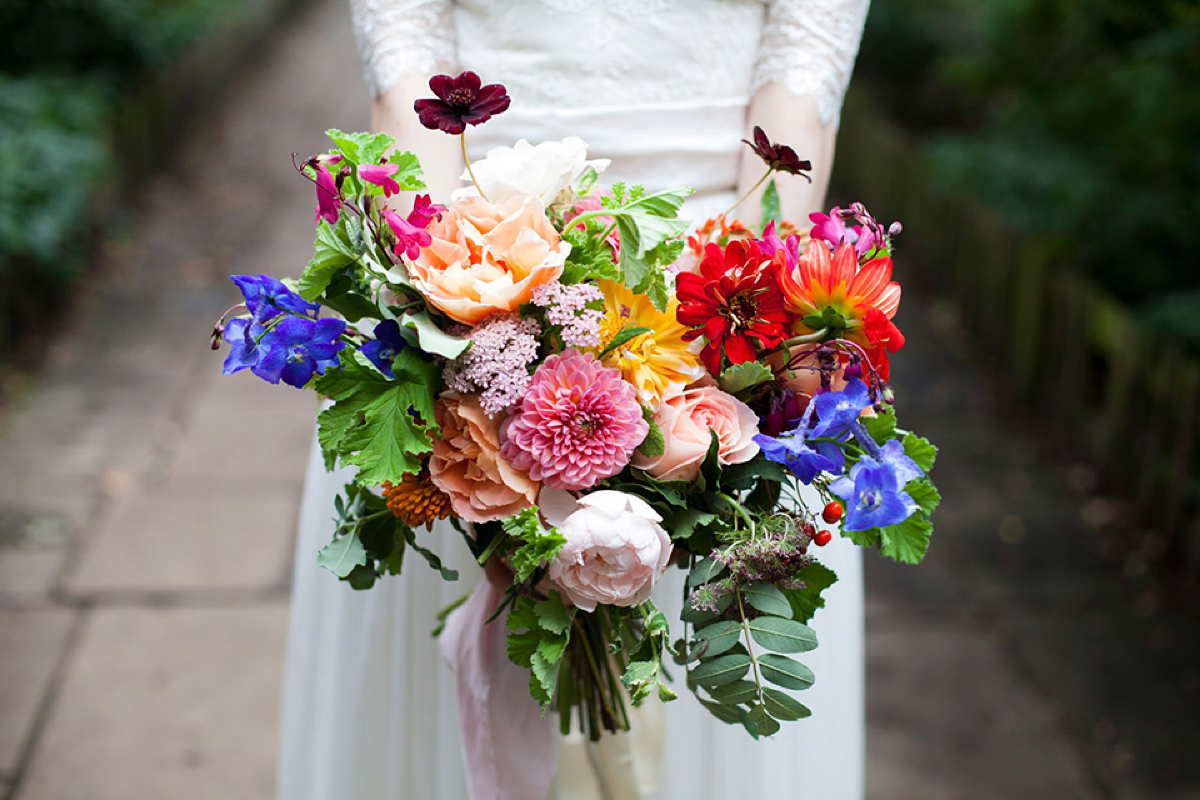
{"points": [[328, 197], [409, 238], [381, 175], [424, 212], [834, 232], [578, 423], [497, 363], [566, 306]]}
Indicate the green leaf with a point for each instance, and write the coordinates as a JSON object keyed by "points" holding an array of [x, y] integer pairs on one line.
{"points": [[361, 148], [409, 175], [590, 258], [767, 598], [332, 251], [433, 339], [430, 557], [785, 672], [759, 723], [882, 426], [781, 705], [522, 615], [735, 692], [907, 541], [770, 205], [552, 648], [622, 336], [805, 602], [714, 639], [782, 635], [705, 570], [924, 494], [728, 714], [742, 376], [538, 545], [722, 669], [920, 450], [654, 445], [553, 614], [639, 673], [342, 555]]}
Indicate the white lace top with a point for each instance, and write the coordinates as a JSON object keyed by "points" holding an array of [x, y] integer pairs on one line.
{"points": [[659, 86]]}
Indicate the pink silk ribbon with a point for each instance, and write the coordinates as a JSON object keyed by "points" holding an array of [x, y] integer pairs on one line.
{"points": [[508, 749]]}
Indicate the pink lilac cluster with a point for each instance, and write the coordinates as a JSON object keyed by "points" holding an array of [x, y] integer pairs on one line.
{"points": [[497, 363], [566, 306], [578, 423]]}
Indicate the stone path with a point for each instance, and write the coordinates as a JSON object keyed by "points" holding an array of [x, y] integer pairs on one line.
{"points": [[147, 510]]}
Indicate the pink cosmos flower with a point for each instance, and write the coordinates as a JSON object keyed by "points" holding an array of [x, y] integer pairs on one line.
{"points": [[328, 198], [409, 238], [381, 175], [578, 423]]}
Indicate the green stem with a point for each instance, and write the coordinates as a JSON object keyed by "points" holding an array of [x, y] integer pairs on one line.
{"points": [[807, 338], [752, 190], [599, 680], [739, 509], [749, 647], [463, 141], [493, 546]]}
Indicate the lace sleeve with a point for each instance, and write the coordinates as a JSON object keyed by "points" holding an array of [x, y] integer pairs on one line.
{"points": [[402, 37], [809, 46]]}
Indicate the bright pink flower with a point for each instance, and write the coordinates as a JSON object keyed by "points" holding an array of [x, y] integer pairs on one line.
{"points": [[328, 198], [381, 175], [423, 212], [834, 232], [409, 238], [578, 423]]}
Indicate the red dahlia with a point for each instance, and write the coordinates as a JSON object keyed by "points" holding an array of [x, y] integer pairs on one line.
{"points": [[734, 303]]}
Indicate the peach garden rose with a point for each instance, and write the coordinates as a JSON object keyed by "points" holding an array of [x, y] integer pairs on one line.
{"points": [[686, 420], [486, 257]]}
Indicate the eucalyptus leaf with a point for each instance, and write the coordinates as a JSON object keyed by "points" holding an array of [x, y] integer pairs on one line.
{"points": [[782, 635], [785, 672]]}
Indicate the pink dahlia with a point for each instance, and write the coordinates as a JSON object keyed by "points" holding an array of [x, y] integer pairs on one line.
{"points": [[578, 423]]}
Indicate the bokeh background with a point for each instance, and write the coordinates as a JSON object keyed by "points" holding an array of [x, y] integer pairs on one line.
{"points": [[1044, 157]]}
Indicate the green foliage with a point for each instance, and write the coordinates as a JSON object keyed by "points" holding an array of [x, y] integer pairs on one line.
{"points": [[370, 425], [649, 230], [654, 445], [333, 251], [805, 602], [745, 376], [538, 545], [770, 205], [539, 632], [591, 258]]}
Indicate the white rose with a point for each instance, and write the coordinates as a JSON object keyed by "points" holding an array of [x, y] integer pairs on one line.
{"points": [[544, 170], [615, 551]]}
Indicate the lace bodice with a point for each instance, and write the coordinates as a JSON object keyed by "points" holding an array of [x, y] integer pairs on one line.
{"points": [[588, 54]]}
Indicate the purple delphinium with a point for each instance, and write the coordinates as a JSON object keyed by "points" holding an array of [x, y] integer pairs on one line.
{"points": [[387, 343], [267, 297], [837, 411], [460, 102], [874, 496], [497, 364], [299, 348], [381, 175], [328, 197], [245, 344]]}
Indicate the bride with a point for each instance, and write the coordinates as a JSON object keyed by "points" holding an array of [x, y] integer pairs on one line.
{"points": [[666, 89]]}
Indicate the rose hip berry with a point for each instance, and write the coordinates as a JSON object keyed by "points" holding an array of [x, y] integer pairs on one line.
{"points": [[833, 512], [822, 538]]}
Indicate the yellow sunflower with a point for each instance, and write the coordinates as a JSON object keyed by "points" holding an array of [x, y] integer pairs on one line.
{"points": [[658, 363]]}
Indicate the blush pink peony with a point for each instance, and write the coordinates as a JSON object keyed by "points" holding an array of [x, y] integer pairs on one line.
{"points": [[467, 464], [615, 551], [578, 423], [488, 257], [688, 420]]}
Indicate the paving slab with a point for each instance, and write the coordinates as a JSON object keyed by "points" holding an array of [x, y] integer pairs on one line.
{"points": [[171, 542], [948, 720], [31, 642], [178, 703], [28, 573]]}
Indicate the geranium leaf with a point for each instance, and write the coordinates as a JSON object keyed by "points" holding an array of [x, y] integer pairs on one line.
{"points": [[342, 555]]}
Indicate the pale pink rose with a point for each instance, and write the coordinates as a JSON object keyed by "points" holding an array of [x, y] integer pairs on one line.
{"points": [[686, 420], [467, 465], [487, 257], [615, 551]]}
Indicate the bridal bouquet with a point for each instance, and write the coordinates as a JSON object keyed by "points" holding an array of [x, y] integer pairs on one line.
{"points": [[592, 396]]}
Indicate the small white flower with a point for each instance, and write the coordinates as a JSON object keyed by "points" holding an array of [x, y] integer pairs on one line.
{"points": [[545, 170]]}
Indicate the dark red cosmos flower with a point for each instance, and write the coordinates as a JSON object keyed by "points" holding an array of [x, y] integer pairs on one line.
{"points": [[460, 102], [884, 337], [734, 303], [779, 157]]}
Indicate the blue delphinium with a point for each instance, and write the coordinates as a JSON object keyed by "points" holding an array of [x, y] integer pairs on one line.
{"points": [[837, 411], [387, 343], [245, 345], [267, 297], [805, 462], [874, 495], [297, 348]]}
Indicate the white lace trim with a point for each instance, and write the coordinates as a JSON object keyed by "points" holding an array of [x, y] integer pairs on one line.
{"points": [[809, 46], [402, 37]]}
